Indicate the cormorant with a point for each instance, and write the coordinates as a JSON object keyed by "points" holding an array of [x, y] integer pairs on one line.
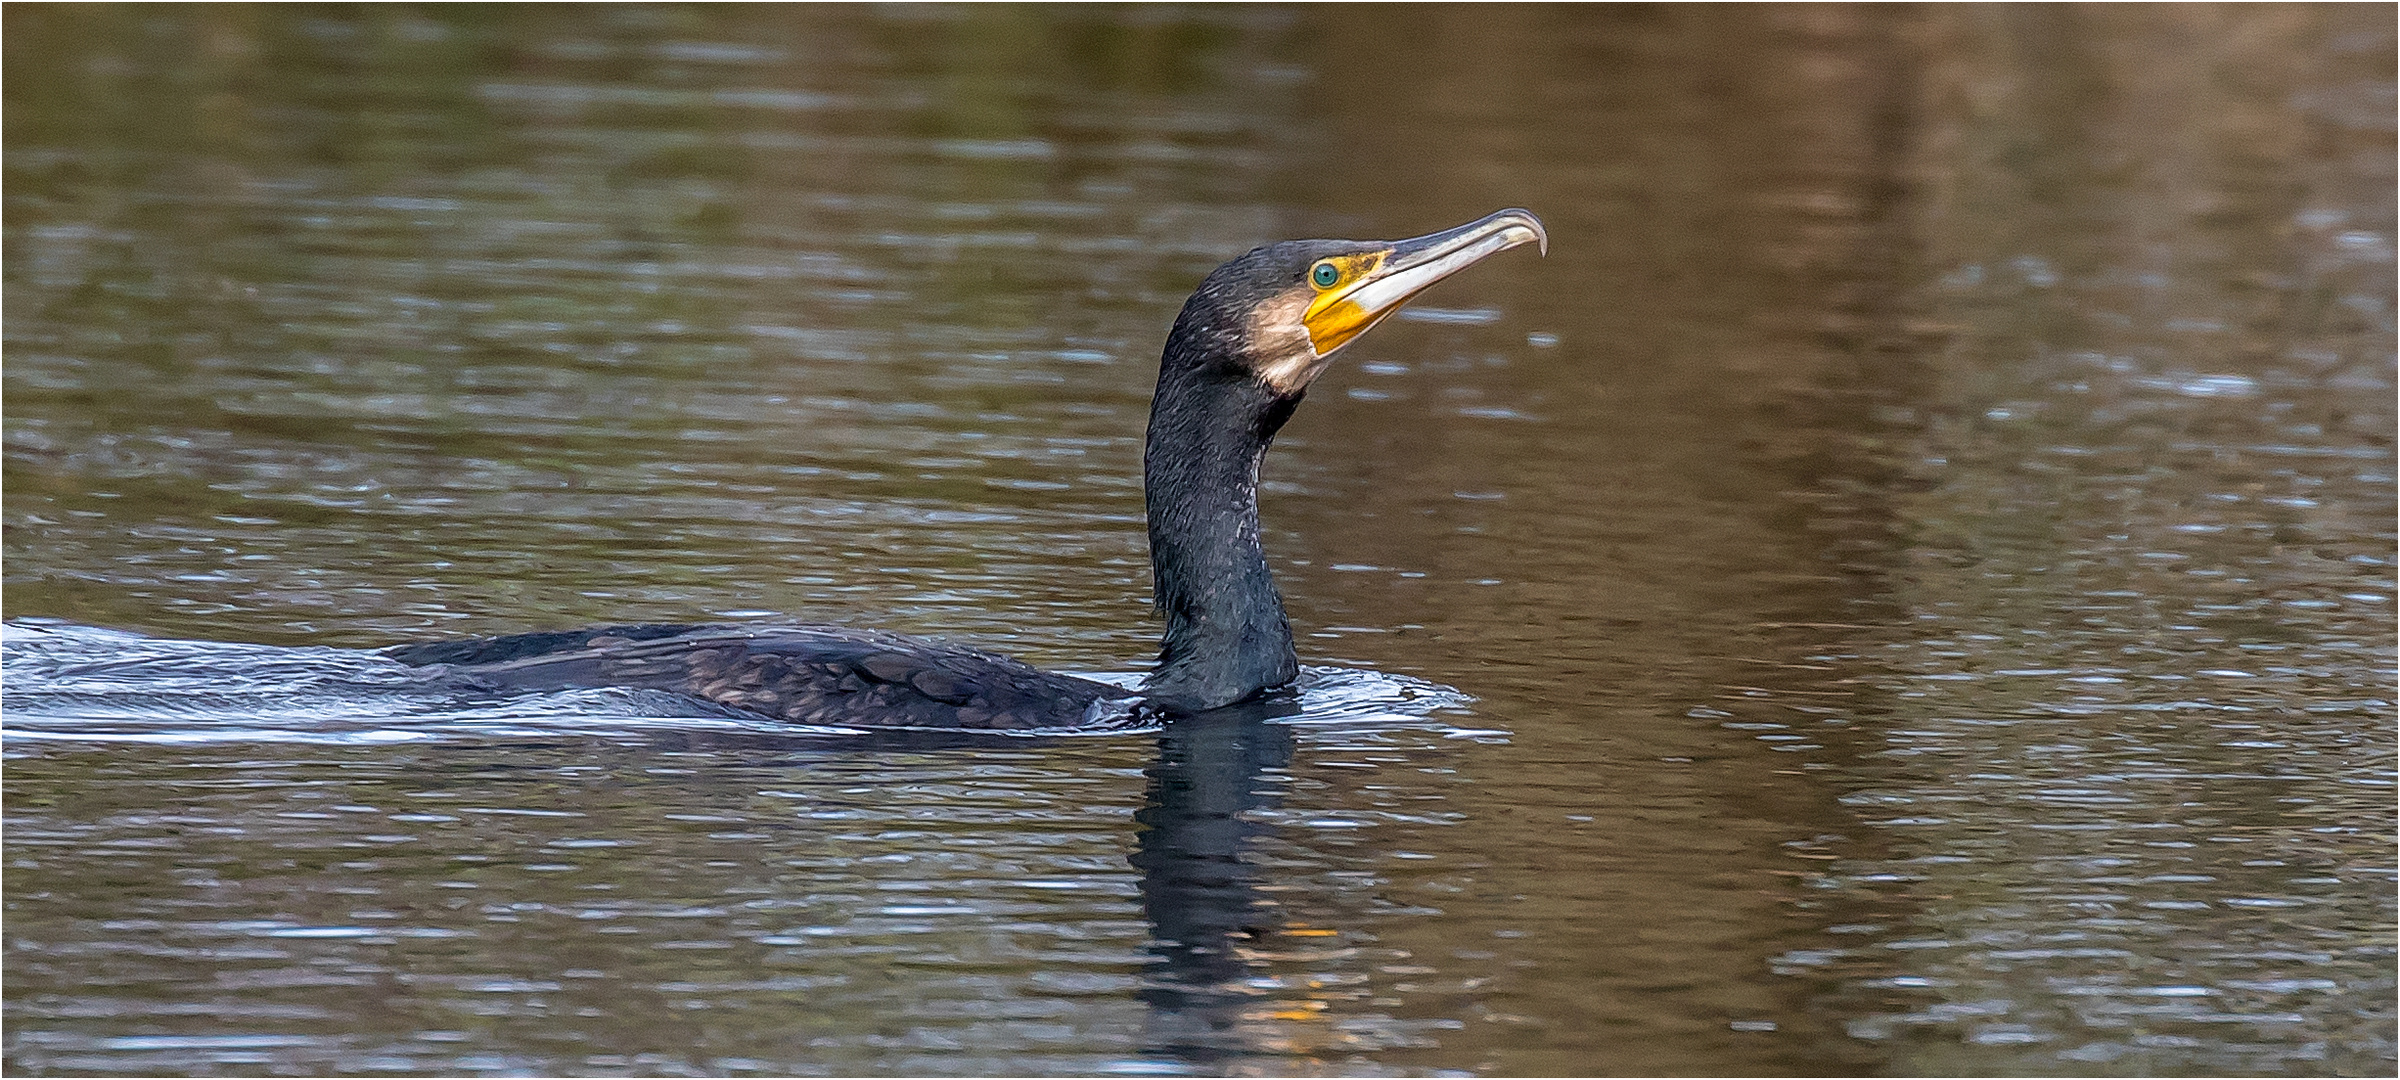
{"points": [[1245, 348]]}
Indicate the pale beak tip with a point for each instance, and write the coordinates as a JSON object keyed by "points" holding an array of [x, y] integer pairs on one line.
{"points": [[1524, 225]]}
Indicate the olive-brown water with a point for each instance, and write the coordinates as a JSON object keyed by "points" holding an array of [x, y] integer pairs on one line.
{"points": [[1915, 559]]}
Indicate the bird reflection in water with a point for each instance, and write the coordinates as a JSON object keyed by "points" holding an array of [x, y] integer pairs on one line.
{"points": [[1204, 898], [1200, 895]]}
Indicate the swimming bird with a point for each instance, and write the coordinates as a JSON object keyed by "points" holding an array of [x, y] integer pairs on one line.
{"points": [[1245, 348]]}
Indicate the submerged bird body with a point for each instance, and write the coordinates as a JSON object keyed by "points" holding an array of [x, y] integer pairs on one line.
{"points": [[1244, 349], [815, 675]]}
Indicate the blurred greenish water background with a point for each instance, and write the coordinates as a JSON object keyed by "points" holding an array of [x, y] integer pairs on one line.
{"points": [[1921, 543]]}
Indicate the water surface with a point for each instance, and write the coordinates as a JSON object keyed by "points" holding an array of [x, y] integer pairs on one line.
{"points": [[1905, 586]]}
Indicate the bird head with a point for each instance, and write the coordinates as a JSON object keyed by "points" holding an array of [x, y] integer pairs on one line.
{"points": [[1278, 314]]}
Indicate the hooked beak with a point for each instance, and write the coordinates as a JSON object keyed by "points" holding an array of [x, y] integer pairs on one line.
{"points": [[1386, 279]]}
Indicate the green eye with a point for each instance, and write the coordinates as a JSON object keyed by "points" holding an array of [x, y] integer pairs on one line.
{"points": [[1325, 275]]}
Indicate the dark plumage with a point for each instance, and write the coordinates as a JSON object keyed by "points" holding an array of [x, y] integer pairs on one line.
{"points": [[1241, 354], [800, 674]]}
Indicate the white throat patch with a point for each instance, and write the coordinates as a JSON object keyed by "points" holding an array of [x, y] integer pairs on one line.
{"points": [[1289, 360]]}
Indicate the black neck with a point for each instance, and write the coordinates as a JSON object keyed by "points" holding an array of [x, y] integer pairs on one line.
{"points": [[1227, 638]]}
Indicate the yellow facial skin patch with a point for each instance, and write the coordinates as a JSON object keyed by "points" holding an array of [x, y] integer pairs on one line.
{"points": [[1333, 318]]}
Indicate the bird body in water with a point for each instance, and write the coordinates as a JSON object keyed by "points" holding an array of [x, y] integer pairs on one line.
{"points": [[1249, 341]]}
